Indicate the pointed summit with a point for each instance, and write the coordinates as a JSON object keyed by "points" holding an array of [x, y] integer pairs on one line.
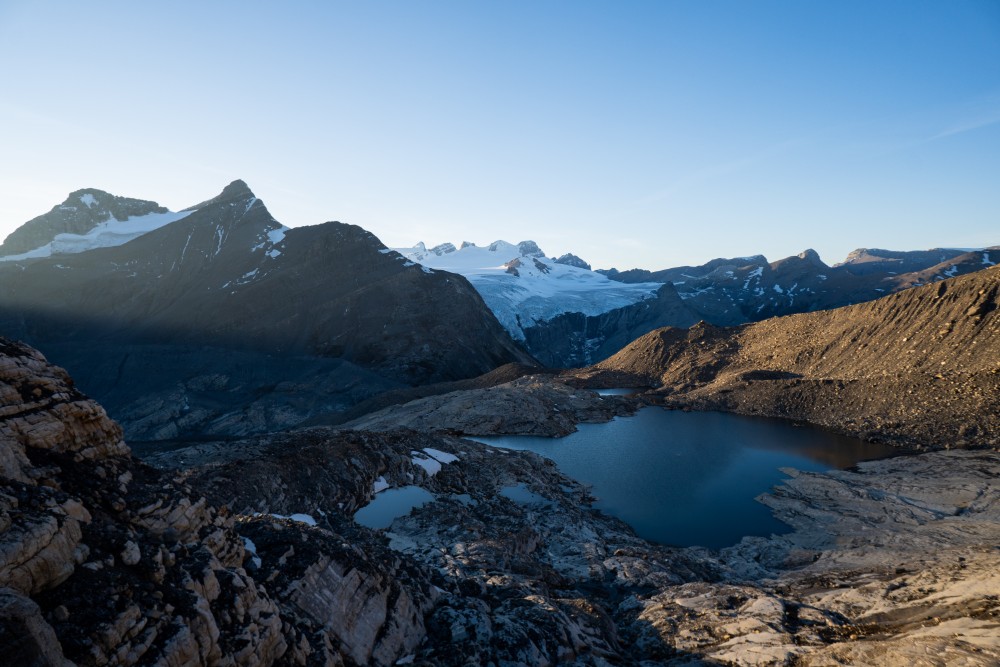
{"points": [[237, 188], [236, 191], [812, 256]]}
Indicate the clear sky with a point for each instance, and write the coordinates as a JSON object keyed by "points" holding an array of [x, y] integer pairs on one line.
{"points": [[647, 134]]}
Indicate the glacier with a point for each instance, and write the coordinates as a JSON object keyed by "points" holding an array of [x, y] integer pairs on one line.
{"points": [[522, 287]]}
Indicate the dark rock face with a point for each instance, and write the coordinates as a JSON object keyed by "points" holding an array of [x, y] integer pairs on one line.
{"points": [[530, 249], [241, 301], [570, 259], [443, 249], [82, 211], [918, 367], [575, 339]]}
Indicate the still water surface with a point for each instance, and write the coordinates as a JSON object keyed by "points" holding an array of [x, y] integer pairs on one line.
{"points": [[691, 478]]}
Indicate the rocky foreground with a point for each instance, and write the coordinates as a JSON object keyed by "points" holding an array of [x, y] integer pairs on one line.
{"points": [[106, 560]]}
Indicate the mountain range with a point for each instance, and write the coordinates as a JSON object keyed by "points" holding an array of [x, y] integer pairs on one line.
{"points": [[748, 289], [223, 322], [219, 321], [568, 315]]}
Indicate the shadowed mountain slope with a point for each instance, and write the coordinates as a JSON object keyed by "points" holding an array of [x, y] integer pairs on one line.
{"points": [[225, 322]]}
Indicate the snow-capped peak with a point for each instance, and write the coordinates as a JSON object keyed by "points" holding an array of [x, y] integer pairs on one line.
{"points": [[522, 286], [106, 234]]}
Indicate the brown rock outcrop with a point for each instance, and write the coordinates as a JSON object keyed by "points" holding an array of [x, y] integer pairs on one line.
{"points": [[107, 557], [529, 405]]}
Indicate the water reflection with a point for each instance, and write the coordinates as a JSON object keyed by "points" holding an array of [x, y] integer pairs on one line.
{"points": [[616, 392], [690, 478], [391, 504]]}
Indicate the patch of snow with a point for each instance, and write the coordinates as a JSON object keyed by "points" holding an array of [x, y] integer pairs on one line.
{"points": [[106, 234], [276, 236], [952, 271], [986, 260], [777, 288], [88, 200], [299, 518], [426, 270], [220, 235], [252, 550], [245, 278], [821, 276], [432, 466], [385, 251], [408, 263], [272, 253], [443, 457], [756, 273], [380, 485]]}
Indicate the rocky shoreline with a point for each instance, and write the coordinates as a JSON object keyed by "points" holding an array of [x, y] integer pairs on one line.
{"points": [[862, 579]]}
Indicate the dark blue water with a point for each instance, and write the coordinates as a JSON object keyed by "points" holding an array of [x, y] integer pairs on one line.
{"points": [[391, 504], [691, 478]]}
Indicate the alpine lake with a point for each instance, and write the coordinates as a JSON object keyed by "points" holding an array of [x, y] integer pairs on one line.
{"points": [[678, 478]]}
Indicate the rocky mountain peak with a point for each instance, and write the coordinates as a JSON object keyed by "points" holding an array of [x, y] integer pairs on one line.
{"points": [[81, 212], [861, 253], [812, 257], [88, 197], [530, 249], [236, 191], [569, 259], [443, 249]]}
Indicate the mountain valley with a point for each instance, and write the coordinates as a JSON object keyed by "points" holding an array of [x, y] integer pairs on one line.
{"points": [[235, 391]]}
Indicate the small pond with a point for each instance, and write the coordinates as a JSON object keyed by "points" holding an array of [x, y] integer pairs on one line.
{"points": [[691, 478], [390, 504]]}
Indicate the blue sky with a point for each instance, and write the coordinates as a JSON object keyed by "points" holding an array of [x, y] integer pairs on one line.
{"points": [[646, 134]]}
